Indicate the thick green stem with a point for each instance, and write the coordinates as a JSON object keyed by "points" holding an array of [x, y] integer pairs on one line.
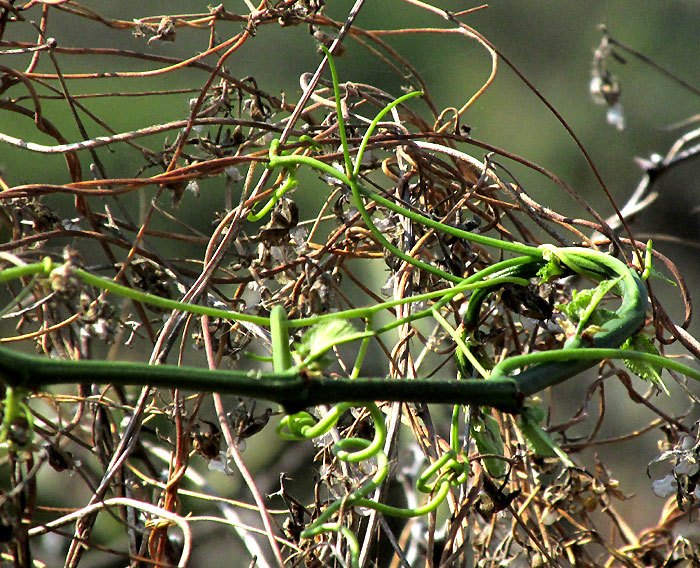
{"points": [[292, 389], [552, 367]]}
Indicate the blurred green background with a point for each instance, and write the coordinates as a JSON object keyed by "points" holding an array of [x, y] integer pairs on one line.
{"points": [[550, 42]]}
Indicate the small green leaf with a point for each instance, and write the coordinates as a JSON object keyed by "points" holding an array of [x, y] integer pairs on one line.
{"points": [[551, 270], [648, 269], [537, 439], [583, 308], [576, 307], [656, 274], [598, 293], [320, 338], [643, 369], [486, 433]]}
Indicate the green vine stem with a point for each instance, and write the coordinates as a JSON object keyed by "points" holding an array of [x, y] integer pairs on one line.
{"points": [[16, 416], [293, 389], [447, 470], [295, 161], [296, 387], [57, 272], [629, 319]]}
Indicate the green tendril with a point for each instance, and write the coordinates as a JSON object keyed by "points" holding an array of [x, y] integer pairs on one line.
{"points": [[300, 386]]}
